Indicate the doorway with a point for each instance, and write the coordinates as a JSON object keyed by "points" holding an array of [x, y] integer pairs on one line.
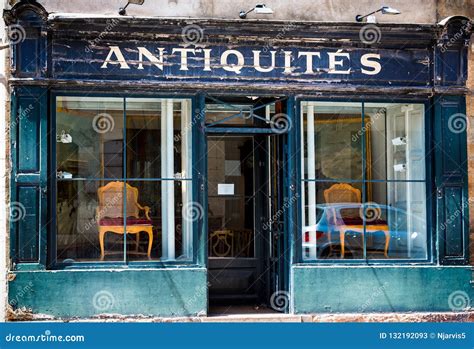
{"points": [[246, 263], [247, 247], [232, 244]]}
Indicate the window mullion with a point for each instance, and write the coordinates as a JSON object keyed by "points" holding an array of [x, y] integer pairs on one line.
{"points": [[124, 174], [364, 181], [167, 172]]}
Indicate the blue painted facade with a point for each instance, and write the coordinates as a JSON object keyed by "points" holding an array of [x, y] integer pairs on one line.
{"points": [[418, 63]]}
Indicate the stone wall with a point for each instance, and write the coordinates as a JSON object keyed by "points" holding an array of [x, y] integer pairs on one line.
{"points": [[305, 10]]}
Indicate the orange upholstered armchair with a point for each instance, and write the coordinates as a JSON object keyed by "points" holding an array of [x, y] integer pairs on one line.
{"points": [[110, 213], [342, 192], [345, 193]]}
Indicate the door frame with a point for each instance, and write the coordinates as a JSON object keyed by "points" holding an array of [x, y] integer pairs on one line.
{"points": [[288, 153]]}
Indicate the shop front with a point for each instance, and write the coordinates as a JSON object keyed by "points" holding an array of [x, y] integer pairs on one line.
{"points": [[161, 167]]}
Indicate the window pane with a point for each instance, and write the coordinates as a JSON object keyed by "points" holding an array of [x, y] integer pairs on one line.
{"points": [[227, 114], [158, 138], [174, 216], [395, 141], [396, 221], [89, 137], [143, 207], [332, 140], [393, 223], [248, 111], [326, 215], [78, 238], [157, 215], [357, 217], [231, 201]]}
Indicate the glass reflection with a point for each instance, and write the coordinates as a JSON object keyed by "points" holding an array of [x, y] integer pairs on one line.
{"points": [[379, 215], [78, 223], [100, 212], [89, 137]]}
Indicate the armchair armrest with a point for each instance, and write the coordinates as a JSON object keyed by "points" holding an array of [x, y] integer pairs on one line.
{"points": [[146, 209]]}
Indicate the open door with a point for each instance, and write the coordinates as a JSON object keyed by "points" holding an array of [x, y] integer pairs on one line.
{"points": [[246, 239], [277, 294]]}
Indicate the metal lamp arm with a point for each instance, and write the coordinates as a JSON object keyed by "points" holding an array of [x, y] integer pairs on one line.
{"points": [[359, 18], [244, 14]]}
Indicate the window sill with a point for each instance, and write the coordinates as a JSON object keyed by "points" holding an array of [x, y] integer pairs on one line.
{"points": [[362, 263], [130, 266]]}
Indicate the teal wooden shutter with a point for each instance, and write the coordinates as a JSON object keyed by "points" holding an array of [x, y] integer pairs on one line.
{"points": [[451, 179], [28, 201]]}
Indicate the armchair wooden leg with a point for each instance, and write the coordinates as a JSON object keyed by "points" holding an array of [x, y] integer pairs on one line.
{"points": [[150, 240], [101, 242], [137, 241], [387, 242], [342, 235]]}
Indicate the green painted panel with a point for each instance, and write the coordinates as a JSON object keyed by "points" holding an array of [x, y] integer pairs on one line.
{"points": [[451, 179], [28, 208], [27, 224], [453, 235], [85, 293], [355, 289], [28, 119]]}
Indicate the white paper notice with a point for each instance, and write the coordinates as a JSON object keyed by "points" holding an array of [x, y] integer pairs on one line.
{"points": [[225, 189]]}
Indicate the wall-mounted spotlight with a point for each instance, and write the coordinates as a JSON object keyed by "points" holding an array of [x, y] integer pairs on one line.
{"points": [[122, 10], [260, 9], [386, 10], [64, 137]]}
